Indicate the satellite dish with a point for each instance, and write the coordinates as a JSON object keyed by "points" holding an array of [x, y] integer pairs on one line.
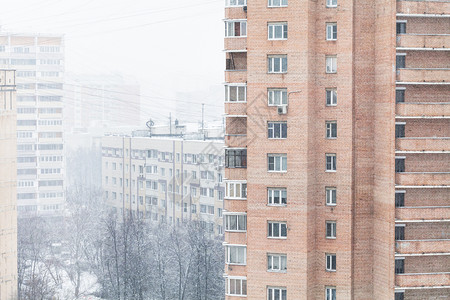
{"points": [[150, 124]]}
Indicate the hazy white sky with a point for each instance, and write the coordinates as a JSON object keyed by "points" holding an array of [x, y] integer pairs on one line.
{"points": [[169, 46]]}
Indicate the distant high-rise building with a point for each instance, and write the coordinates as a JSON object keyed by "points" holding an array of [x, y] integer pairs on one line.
{"points": [[8, 208], [39, 63], [338, 123]]}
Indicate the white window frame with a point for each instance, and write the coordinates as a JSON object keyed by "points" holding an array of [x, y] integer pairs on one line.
{"points": [[228, 254], [331, 31], [333, 225], [272, 96], [330, 166], [331, 3], [329, 192], [330, 293], [271, 127], [271, 64], [235, 3], [230, 189], [331, 64], [273, 3], [333, 96], [242, 28], [280, 259], [272, 30], [329, 129], [271, 292], [329, 262], [270, 196], [239, 92], [279, 159], [228, 215], [237, 278], [278, 224]]}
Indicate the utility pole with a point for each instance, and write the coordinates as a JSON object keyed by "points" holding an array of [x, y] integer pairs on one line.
{"points": [[203, 119], [170, 123]]}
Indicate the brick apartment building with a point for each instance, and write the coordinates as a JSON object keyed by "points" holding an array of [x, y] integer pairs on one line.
{"points": [[165, 179], [338, 141], [8, 205]]}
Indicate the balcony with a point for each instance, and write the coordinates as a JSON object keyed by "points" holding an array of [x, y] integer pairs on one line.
{"points": [[422, 246], [424, 41], [235, 44], [236, 174], [235, 12], [236, 140], [423, 109], [423, 7], [422, 178], [422, 144], [423, 213], [422, 279], [236, 108], [424, 75]]}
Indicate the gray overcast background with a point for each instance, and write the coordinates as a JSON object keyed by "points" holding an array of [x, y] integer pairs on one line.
{"points": [[172, 48]]}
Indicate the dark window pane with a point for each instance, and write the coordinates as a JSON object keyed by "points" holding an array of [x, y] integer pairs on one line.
{"points": [[399, 199], [399, 233], [399, 96]]}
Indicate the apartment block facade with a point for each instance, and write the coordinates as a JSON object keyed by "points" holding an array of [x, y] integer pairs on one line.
{"points": [[8, 207], [39, 64], [165, 179], [337, 149]]}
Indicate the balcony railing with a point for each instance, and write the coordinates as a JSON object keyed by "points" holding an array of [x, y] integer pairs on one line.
{"points": [[424, 41], [422, 144], [422, 246], [423, 109], [424, 75], [422, 179], [423, 7], [423, 213], [422, 279]]}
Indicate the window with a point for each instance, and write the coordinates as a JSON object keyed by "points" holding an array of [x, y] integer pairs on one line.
{"points": [[236, 254], [330, 195], [193, 208], [236, 2], [277, 196], [236, 190], [400, 295], [331, 97], [399, 95], [330, 262], [236, 158], [277, 97], [235, 93], [331, 3], [400, 61], [399, 266], [277, 63], [276, 293], [277, 31], [277, 162], [277, 130], [331, 31], [401, 27], [194, 174], [400, 130], [219, 212], [211, 193], [331, 229], [330, 162], [399, 198], [330, 293], [400, 164], [331, 129], [236, 222], [276, 262], [277, 229], [399, 232], [236, 286], [236, 28], [277, 3], [331, 63], [204, 192]]}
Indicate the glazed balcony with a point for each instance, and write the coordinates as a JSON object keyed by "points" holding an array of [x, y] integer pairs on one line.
{"points": [[422, 178], [423, 7], [425, 41], [422, 279], [422, 109], [422, 144], [422, 213], [424, 75], [235, 43], [236, 140], [236, 108], [422, 246]]}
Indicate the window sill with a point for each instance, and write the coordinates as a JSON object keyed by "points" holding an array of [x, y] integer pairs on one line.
{"points": [[235, 101], [277, 238], [277, 138], [277, 39], [331, 72], [331, 105], [331, 271], [275, 271], [280, 6], [277, 205], [236, 231], [330, 171], [331, 138], [277, 72], [330, 238], [331, 205], [234, 264], [333, 40], [240, 199], [269, 171]]}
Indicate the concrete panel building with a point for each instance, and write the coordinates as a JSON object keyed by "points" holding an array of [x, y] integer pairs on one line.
{"points": [[39, 64], [165, 179], [337, 139], [8, 207]]}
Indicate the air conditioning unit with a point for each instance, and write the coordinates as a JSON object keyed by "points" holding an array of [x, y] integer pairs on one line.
{"points": [[244, 8], [282, 109]]}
